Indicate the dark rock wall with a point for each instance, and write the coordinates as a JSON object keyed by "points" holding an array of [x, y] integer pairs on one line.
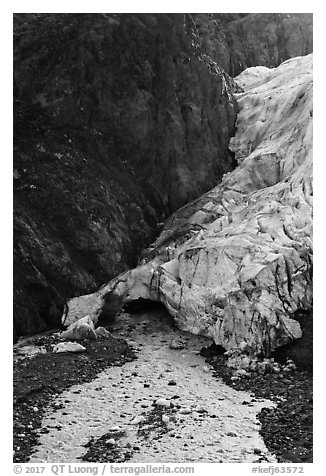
{"points": [[238, 41], [119, 119]]}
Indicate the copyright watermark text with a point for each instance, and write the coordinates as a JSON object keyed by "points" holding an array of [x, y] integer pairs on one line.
{"points": [[277, 470], [66, 469]]}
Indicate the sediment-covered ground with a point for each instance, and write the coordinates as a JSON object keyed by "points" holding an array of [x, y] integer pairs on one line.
{"points": [[89, 410]]}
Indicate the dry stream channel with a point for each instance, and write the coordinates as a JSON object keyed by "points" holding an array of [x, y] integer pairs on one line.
{"points": [[166, 406]]}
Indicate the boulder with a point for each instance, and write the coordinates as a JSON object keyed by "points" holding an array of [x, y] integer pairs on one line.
{"points": [[82, 329], [163, 402], [241, 373], [177, 344], [137, 420], [102, 332], [68, 347], [165, 419]]}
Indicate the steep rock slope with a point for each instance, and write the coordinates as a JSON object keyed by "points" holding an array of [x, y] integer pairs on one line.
{"points": [[238, 41], [119, 120], [236, 264]]}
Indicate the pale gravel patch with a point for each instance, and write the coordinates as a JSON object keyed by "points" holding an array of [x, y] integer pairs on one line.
{"points": [[100, 403]]}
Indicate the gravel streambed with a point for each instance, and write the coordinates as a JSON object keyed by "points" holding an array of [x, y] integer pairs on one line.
{"points": [[40, 375], [287, 428], [165, 406]]}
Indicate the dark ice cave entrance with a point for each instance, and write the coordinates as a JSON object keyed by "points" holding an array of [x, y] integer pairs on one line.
{"points": [[113, 306], [142, 305], [300, 350]]}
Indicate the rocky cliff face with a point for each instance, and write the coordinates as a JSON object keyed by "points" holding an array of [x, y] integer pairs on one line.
{"points": [[236, 264], [119, 120], [239, 41]]}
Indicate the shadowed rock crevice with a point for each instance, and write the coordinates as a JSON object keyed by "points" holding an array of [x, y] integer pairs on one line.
{"points": [[301, 350]]}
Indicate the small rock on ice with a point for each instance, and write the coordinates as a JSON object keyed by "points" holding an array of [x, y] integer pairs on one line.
{"points": [[165, 419], [162, 402], [111, 441], [177, 344], [137, 420]]}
